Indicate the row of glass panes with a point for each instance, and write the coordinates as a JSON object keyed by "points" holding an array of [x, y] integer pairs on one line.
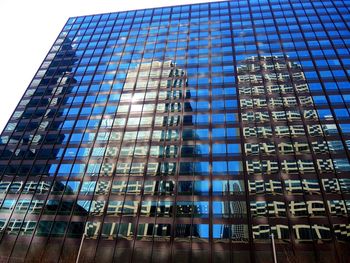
{"points": [[148, 29], [138, 167], [152, 30], [110, 109], [206, 23], [154, 151], [164, 187], [225, 209], [171, 134], [299, 208], [293, 115], [167, 187], [198, 33], [198, 150], [220, 209], [215, 8], [159, 121], [269, 148], [283, 90], [219, 48], [239, 14], [169, 151], [132, 121], [260, 100], [113, 93], [113, 107], [219, 168], [195, 33], [122, 109], [217, 57], [295, 131], [296, 166], [139, 15], [285, 101], [173, 120], [99, 100], [162, 232], [153, 168]]}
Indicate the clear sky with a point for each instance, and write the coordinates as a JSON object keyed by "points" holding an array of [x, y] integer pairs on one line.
{"points": [[29, 28]]}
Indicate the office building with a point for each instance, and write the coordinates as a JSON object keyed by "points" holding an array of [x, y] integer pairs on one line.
{"points": [[183, 134]]}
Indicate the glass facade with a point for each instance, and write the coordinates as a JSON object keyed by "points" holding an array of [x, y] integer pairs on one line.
{"points": [[185, 133]]}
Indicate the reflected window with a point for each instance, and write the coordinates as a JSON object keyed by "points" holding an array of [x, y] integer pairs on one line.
{"points": [[235, 233]]}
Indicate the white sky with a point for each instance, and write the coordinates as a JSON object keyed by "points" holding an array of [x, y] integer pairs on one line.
{"points": [[29, 28]]}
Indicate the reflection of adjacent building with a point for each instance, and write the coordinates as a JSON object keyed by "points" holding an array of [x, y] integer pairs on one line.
{"points": [[171, 82], [165, 85], [55, 82], [141, 106], [40, 110], [286, 137]]}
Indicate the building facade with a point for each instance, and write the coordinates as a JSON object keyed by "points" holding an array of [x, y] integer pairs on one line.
{"points": [[184, 133]]}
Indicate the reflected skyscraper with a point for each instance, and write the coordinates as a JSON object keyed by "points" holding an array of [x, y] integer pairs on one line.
{"points": [[183, 134]]}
